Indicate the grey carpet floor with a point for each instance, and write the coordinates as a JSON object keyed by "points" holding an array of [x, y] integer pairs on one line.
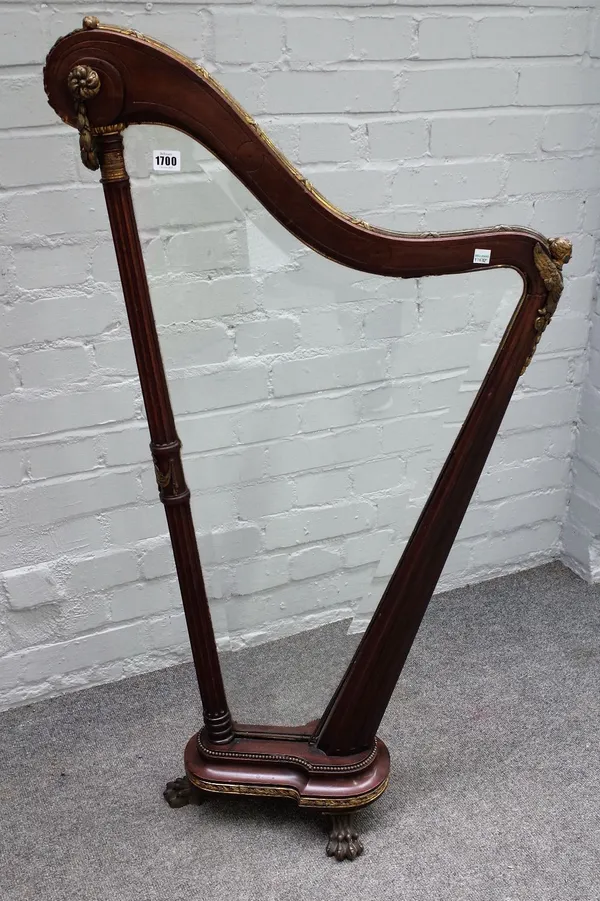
{"points": [[494, 735]]}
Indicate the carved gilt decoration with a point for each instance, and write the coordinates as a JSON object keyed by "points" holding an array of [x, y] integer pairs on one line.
{"points": [[549, 265], [84, 83]]}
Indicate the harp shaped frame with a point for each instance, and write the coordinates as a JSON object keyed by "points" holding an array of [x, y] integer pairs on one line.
{"points": [[102, 78]]}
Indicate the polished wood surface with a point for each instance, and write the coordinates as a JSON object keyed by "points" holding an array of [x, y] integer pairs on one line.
{"points": [[295, 770], [144, 81], [337, 759], [165, 444]]}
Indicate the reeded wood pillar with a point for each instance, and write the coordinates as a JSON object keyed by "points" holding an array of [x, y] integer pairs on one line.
{"points": [[165, 444]]}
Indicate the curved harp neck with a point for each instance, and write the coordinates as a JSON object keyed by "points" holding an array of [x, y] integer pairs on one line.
{"points": [[140, 80]]}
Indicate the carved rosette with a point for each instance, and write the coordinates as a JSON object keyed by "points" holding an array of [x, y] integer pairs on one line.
{"points": [[549, 262]]}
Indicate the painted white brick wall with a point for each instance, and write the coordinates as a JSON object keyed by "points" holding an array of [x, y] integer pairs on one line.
{"points": [[297, 390], [581, 532]]}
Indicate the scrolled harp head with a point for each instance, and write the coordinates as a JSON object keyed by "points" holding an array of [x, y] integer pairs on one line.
{"points": [[561, 250]]}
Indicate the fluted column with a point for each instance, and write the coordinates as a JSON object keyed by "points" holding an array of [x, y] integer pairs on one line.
{"points": [[165, 444]]}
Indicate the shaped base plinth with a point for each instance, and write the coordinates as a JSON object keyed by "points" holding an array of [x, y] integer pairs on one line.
{"points": [[279, 762], [283, 763]]}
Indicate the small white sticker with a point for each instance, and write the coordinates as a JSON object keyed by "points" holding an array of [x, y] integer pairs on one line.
{"points": [[482, 256], [166, 160]]}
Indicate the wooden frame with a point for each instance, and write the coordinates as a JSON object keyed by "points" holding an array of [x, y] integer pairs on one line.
{"points": [[101, 79]]}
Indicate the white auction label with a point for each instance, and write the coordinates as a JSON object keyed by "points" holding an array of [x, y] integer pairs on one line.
{"points": [[166, 160], [482, 256]]}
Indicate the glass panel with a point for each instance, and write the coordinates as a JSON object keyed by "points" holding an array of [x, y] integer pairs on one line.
{"points": [[316, 406]]}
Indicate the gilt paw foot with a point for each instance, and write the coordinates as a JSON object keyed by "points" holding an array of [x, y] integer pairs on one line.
{"points": [[180, 792], [344, 843]]}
